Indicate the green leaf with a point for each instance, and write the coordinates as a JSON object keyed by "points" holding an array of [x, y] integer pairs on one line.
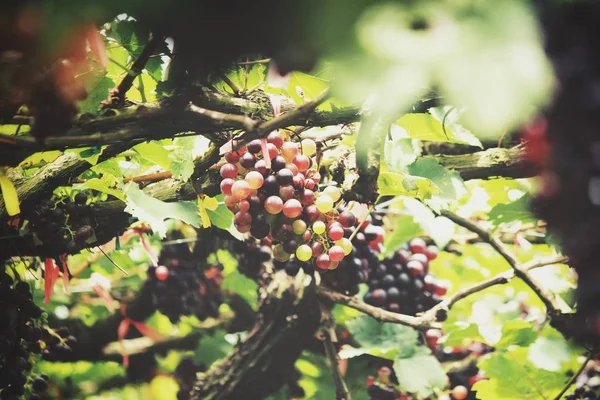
{"points": [[131, 35], [398, 154], [453, 128], [89, 154], [383, 339], [549, 353], [155, 152], [449, 183], [405, 228], [390, 183], [222, 217], [420, 373], [242, 285], [512, 377], [155, 212], [459, 332], [154, 67], [181, 158], [106, 184], [516, 333], [212, 348], [97, 93], [425, 126], [518, 210]]}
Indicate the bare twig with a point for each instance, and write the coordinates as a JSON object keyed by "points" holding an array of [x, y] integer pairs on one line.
{"points": [[549, 299], [341, 390], [376, 312], [576, 375], [236, 89]]}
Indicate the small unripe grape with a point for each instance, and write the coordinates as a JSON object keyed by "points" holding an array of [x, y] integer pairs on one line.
{"points": [[303, 252], [226, 185], [299, 227], [232, 157], [255, 179], [289, 151], [309, 147], [336, 253], [333, 192], [273, 204], [319, 227], [292, 208], [279, 254], [228, 170], [322, 262], [302, 162], [335, 232], [240, 190], [276, 138], [324, 203], [345, 244]]}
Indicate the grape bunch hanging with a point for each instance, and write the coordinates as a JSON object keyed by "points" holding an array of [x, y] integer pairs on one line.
{"points": [[272, 187], [20, 335], [182, 285]]}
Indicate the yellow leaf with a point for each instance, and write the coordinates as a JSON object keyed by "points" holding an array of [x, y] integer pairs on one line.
{"points": [[210, 203], [11, 199], [202, 211], [163, 388]]}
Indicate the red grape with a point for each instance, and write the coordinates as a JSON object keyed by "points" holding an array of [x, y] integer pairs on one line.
{"points": [[317, 248], [417, 245], [232, 157], [228, 171], [255, 179], [244, 206], [285, 177], [273, 204], [243, 218], [323, 262], [292, 208], [460, 392], [422, 258], [431, 252], [336, 253], [430, 283], [432, 336], [415, 268], [289, 150], [298, 181], [347, 219], [309, 184], [292, 167], [272, 149], [302, 162], [308, 197], [247, 160], [226, 185], [261, 167], [161, 272], [311, 213], [276, 139], [240, 190], [335, 232], [278, 163], [441, 288], [254, 146], [286, 192]]}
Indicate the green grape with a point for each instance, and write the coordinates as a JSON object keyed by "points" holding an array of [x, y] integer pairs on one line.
{"points": [[303, 252]]}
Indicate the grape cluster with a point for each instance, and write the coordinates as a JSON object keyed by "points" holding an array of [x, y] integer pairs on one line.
{"points": [[382, 387], [39, 387], [59, 343], [251, 256], [182, 285], [271, 186], [62, 226], [20, 335], [402, 282]]}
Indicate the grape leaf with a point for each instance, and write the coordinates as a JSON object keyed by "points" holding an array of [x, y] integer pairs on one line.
{"points": [[106, 184], [425, 126], [512, 377], [459, 332], [420, 373], [211, 348], [518, 210], [398, 154], [516, 333], [238, 283], [97, 93], [549, 353], [383, 339], [155, 212], [221, 217], [405, 228], [449, 183]]}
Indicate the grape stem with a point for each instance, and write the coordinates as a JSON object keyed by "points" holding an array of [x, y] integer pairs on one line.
{"points": [[328, 332], [553, 305]]}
